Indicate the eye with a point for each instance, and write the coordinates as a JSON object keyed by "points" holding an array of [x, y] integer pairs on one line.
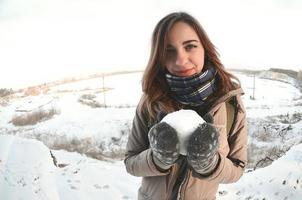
{"points": [[189, 47]]}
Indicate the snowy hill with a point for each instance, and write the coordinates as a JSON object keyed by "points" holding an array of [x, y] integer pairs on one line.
{"points": [[27, 171], [281, 180], [278, 77]]}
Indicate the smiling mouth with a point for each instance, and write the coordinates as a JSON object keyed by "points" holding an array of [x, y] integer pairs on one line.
{"points": [[184, 72]]}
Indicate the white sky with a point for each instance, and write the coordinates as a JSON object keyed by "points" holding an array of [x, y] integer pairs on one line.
{"points": [[42, 40]]}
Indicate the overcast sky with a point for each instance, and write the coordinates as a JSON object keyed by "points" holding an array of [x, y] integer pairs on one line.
{"points": [[43, 40]]}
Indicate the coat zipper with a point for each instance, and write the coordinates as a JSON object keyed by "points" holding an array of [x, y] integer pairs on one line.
{"points": [[169, 188], [183, 186]]}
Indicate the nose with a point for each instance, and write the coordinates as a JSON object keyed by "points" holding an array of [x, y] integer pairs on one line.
{"points": [[182, 59]]}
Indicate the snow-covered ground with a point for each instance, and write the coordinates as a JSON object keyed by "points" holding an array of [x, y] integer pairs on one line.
{"points": [[271, 97], [27, 171], [281, 180], [274, 120]]}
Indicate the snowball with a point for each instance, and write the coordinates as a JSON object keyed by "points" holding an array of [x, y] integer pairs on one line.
{"points": [[184, 122]]}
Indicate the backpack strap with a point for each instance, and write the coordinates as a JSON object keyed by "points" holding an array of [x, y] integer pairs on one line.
{"points": [[230, 111], [231, 114]]}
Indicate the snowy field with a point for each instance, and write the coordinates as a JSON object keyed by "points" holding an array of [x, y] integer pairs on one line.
{"points": [[27, 170]]}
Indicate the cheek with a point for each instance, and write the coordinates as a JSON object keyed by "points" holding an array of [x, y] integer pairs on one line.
{"points": [[199, 60], [169, 66], [200, 66], [199, 63]]}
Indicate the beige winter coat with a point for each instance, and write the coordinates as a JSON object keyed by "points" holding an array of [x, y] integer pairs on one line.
{"points": [[158, 185]]}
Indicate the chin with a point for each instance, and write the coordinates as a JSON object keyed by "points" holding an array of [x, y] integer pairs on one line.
{"points": [[186, 74]]}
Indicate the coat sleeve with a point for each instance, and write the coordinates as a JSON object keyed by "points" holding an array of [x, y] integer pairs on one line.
{"points": [[138, 157], [231, 166]]}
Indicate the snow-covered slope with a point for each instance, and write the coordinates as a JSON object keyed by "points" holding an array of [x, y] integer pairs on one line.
{"points": [[27, 171], [271, 97], [277, 76], [281, 180]]}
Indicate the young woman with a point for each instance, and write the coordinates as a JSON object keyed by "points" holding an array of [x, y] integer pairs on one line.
{"points": [[184, 72]]}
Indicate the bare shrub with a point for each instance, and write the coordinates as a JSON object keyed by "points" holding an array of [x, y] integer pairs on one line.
{"points": [[91, 103], [252, 153], [118, 154], [34, 117], [260, 131], [89, 100], [124, 106], [85, 146], [262, 156], [101, 149], [287, 118], [45, 90], [5, 92], [270, 155], [264, 136], [32, 91], [88, 96], [4, 101]]}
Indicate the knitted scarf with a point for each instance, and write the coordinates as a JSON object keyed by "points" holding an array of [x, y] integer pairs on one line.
{"points": [[192, 90]]}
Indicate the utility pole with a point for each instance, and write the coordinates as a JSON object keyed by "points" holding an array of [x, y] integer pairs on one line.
{"points": [[104, 95], [252, 97], [254, 86]]}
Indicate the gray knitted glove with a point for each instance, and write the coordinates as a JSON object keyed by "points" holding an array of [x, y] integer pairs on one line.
{"points": [[202, 149], [164, 144]]}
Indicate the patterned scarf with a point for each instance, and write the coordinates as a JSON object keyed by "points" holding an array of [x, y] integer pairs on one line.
{"points": [[192, 90]]}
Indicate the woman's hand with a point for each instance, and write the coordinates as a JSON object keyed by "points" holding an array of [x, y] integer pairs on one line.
{"points": [[164, 144], [202, 149]]}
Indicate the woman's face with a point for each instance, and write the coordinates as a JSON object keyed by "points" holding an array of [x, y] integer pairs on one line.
{"points": [[184, 53]]}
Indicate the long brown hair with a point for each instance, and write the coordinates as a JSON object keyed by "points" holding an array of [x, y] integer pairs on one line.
{"points": [[154, 85]]}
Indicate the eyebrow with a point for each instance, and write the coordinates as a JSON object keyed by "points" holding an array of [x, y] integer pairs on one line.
{"points": [[188, 41], [184, 43]]}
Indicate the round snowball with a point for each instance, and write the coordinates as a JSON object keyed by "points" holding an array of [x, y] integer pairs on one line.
{"points": [[184, 122]]}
